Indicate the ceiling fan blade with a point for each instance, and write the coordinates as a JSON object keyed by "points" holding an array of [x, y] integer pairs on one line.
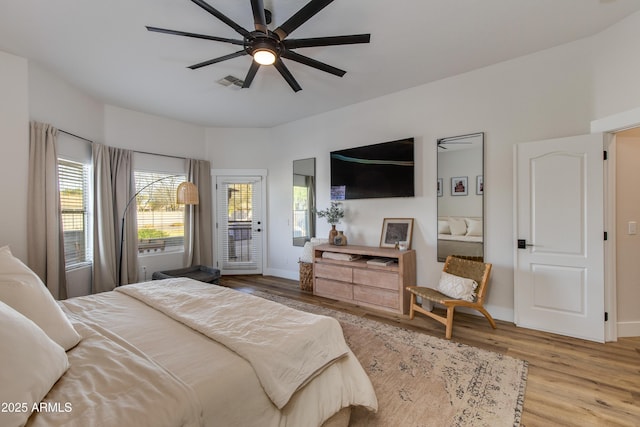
{"points": [[313, 63], [251, 74], [300, 17], [220, 59], [259, 19], [327, 41], [286, 74], [206, 6], [194, 35]]}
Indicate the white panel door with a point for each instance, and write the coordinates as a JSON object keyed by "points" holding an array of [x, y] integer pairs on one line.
{"points": [[559, 233], [239, 224]]}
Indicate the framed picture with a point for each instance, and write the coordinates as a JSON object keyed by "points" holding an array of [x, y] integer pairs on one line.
{"points": [[459, 186], [479, 185], [439, 187], [396, 230]]}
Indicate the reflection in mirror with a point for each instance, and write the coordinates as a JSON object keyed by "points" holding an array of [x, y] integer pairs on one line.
{"points": [[304, 200], [460, 196]]}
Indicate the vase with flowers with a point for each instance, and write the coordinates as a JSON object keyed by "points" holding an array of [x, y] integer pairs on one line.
{"points": [[333, 214]]}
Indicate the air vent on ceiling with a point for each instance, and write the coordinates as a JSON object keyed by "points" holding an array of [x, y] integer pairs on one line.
{"points": [[231, 80]]}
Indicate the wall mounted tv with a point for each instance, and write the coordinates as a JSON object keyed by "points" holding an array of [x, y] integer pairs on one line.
{"points": [[373, 171]]}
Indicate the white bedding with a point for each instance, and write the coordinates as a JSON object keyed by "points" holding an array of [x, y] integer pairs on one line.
{"points": [[288, 349], [225, 386], [110, 381], [462, 238]]}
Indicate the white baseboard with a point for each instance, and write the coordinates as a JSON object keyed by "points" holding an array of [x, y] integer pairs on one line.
{"points": [[498, 313], [628, 329]]}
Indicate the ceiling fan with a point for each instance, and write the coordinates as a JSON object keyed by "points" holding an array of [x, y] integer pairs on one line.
{"points": [[456, 140], [269, 47]]}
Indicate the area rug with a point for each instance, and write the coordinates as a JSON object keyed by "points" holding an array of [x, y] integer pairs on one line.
{"points": [[422, 380]]}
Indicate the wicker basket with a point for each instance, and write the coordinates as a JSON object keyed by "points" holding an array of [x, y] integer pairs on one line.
{"points": [[306, 276]]}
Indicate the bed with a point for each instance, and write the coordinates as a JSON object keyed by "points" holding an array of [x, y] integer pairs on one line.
{"points": [[462, 236], [172, 352]]}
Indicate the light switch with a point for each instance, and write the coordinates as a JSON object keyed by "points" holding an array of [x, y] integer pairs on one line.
{"points": [[632, 227]]}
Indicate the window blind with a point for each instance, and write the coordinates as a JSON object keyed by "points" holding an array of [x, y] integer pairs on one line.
{"points": [[160, 218], [73, 181]]}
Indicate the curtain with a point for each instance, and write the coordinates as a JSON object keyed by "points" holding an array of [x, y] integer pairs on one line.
{"points": [[114, 188], [198, 231], [45, 240]]}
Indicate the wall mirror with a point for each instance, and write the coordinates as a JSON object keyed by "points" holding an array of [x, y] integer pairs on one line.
{"points": [[304, 200], [461, 196]]}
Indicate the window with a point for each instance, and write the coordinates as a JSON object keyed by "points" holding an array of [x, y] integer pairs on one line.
{"points": [[160, 218], [73, 181]]}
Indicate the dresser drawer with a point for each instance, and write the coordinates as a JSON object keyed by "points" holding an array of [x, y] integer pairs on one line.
{"points": [[377, 278], [376, 296], [333, 289], [335, 272]]}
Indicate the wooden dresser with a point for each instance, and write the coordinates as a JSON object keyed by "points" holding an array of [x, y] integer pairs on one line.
{"points": [[356, 281]]}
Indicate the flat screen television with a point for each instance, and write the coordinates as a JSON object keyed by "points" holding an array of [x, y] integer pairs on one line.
{"points": [[373, 171]]}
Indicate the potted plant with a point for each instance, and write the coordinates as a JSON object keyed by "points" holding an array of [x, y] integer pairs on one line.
{"points": [[333, 215]]}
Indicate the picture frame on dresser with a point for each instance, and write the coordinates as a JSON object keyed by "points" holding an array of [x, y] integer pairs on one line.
{"points": [[396, 230]]}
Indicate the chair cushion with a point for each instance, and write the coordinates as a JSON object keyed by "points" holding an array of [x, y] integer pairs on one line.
{"points": [[457, 287]]}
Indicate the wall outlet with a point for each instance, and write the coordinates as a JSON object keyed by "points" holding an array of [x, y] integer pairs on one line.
{"points": [[144, 272], [632, 227]]}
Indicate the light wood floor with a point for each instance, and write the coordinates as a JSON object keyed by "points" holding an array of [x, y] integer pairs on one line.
{"points": [[571, 382]]}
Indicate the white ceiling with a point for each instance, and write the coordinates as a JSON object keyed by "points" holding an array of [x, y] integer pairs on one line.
{"points": [[103, 48]]}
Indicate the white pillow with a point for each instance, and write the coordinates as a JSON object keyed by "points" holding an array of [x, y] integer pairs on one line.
{"points": [[31, 364], [474, 227], [458, 226], [457, 287], [23, 290], [443, 227]]}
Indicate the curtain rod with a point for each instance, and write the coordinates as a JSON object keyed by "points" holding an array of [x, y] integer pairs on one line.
{"points": [[75, 136], [135, 151]]}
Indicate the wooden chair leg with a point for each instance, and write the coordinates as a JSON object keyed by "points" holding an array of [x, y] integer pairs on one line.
{"points": [[449, 330], [411, 311], [488, 316]]}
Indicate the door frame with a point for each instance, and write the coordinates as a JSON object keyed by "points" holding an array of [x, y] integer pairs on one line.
{"points": [[215, 173], [609, 125]]}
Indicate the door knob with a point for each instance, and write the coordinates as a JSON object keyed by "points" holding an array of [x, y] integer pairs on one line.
{"points": [[522, 244]]}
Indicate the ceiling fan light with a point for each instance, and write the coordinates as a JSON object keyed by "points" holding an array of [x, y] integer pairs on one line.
{"points": [[264, 57]]}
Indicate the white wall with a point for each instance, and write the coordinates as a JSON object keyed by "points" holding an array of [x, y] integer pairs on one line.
{"points": [[549, 94], [553, 93], [517, 101], [14, 153], [616, 68], [53, 100], [148, 133], [34, 93]]}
